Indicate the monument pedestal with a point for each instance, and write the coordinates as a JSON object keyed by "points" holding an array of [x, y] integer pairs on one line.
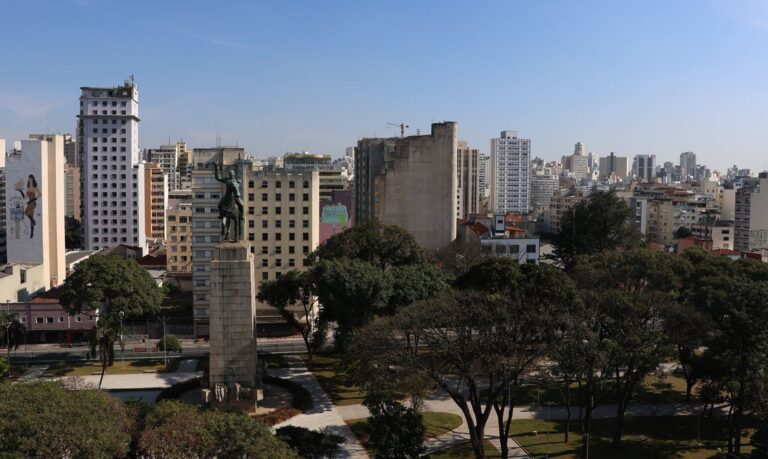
{"points": [[233, 368]]}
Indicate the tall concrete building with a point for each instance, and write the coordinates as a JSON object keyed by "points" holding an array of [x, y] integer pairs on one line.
{"points": [[510, 173], [3, 240], [468, 185], [174, 160], [484, 170], [644, 168], [687, 165], [543, 187], [155, 184], [751, 225], [72, 192], [35, 206], [108, 150], [178, 230], [613, 165], [410, 182]]}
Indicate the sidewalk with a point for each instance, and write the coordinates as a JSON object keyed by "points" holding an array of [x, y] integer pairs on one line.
{"points": [[324, 415], [33, 373], [138, 380]]}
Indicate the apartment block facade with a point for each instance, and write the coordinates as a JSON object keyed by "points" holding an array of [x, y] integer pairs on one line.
{"points": [[468, 192], [510, 173], [751, 223], [108, 151]]}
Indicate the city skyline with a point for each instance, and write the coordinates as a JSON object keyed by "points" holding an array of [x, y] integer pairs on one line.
{"points": [[276, 78]]}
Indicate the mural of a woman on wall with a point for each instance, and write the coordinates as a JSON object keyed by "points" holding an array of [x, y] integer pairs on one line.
{"points": [[32, 195]]}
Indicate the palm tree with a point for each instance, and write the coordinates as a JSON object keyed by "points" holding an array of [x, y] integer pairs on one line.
{"points": [[11, 333]]}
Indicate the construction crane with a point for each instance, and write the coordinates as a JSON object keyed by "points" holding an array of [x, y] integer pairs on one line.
{"points": [[402, 127]]}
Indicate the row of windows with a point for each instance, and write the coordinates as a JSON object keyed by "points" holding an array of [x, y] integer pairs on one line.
{"points": [[278, 237], [104, 112], [107, 121], [107, 240], [108, 139], [104, 131], [104, 103], [105, 149], [50, 320], [278, 184], [278, 224], [278, 196]]}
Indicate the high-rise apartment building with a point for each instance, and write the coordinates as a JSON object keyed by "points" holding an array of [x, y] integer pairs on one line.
{"points": [[468, 185], [484, 170], [751, 224], [644, 168], [155, 184], [3, 240], [174, 160], [108, 150], [410, 182], [687, 165], [613, 165], [178, 230], [35, 206], [510, 173], [72, 191], [543, 187]]}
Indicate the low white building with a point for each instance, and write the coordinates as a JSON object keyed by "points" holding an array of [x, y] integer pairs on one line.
{"points": [[524, 249]]}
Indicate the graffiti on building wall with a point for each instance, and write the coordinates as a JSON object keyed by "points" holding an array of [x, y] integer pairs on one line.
{"points": [[335, 214], [24, 208]]}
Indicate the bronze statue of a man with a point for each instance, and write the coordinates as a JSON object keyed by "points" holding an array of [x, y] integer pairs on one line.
{"points": [[230, 206]]}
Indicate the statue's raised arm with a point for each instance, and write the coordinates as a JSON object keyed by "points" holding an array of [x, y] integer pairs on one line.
{"points": [[216, 168]]}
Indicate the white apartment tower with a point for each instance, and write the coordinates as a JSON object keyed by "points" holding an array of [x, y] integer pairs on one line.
{"points": [[510, 173], [108, 148]]}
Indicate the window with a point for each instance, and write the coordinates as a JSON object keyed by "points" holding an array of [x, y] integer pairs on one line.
{"points": [[264, 184], [278, 210], [39, 320], [49, 320], [305, 196], [264, 263], [306, 184], [305, 236], [78, 319], [530, 248], [278, 250], [264, 196], [265, 276], [264, 236], [278, 184]]}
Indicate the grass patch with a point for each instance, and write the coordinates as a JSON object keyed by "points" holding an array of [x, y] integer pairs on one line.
{"points": [[334, 380], [663, 437], [119, 367], [273, 360], [654, 390], [464, 451]]}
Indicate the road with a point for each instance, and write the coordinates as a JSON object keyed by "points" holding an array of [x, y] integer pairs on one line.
{"points": [[136, 350]]}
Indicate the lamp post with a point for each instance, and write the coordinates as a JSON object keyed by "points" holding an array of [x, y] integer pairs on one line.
{"points": [[165, 343], [121, 315]]}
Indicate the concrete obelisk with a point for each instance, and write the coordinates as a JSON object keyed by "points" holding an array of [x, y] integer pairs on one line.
{"points": [[233, 358]]}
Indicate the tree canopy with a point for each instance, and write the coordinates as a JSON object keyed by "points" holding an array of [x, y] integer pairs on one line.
{"points": [[601, 222]]}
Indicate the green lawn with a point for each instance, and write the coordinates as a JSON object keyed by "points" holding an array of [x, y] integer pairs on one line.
{"points": [[644, 437], [119, 367], [436, 424], [464, 451], [334, 380], [669, 389]]}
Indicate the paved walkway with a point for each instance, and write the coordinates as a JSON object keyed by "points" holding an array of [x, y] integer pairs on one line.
{"points": [[34, 372], [136, 381], [324, 415]]}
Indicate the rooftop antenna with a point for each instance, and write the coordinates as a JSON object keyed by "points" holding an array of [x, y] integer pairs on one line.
{"points": [[402, 127]]}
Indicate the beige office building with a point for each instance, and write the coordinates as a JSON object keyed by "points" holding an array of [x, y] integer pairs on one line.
{"points": [[468, 181], [72, 191], [35, 206], [178, 230]]}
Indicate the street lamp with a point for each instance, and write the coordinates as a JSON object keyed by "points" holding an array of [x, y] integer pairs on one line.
{"points": [[121, 315]]}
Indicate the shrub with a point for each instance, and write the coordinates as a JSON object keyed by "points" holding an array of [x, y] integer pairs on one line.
{"points": [[310, 443], [173, 343]]}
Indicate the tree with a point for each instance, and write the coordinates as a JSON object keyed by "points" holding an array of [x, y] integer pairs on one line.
{"points": [[381, 245], [413, 283], [682, 232], [760, 442], [114, 286], [169, 342], [43, 419], [11, 335], [352, 293], [293, 288], [397, 431], [467, 340], [310, 443], [626, 295], [602, 222], [174, 429], [687, 329], [73, 234]]}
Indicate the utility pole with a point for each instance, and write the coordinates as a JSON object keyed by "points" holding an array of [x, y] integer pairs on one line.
{"points": [[165, 343]]}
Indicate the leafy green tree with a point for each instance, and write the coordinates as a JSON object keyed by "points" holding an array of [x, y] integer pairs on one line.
{"points": [[381, 245], [479, 340], [687, 329], [11, 335], [169, 342], [114, 286], [352, 293], [397, 431], [413, 283], [174, 429], [310, 443], [297, 288], [682, 232], [43, 419], [73, 234], [601, 222]]}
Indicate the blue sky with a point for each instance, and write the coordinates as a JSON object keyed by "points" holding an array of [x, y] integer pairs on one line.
{"points": [[657, 77]]}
